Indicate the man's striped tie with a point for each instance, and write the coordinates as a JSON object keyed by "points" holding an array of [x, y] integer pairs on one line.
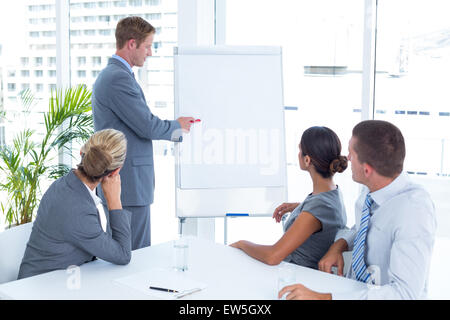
{"points": [[358, 263]]}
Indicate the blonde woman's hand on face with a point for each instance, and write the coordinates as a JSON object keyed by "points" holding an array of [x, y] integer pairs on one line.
{"points": [[284, 208], [112, 189]]}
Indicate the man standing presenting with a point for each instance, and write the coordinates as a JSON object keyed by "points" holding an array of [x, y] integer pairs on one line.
{"points": [[118, 102], [393, 238]]}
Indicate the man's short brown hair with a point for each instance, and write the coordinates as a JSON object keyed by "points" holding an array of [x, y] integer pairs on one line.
{"points": [[381, 145], [132, 28]]}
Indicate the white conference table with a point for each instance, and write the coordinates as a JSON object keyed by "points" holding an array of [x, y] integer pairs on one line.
{"points": [[228, 273]]}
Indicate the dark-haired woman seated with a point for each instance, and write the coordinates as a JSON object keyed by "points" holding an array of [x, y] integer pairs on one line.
{"points": [[310, 230]]}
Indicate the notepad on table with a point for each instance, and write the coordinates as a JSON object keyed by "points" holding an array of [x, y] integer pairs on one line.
{"points": [[163, 278]]}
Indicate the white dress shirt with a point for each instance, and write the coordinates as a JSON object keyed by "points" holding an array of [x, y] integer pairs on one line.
{"points": [[399, 241], [99, 205]]}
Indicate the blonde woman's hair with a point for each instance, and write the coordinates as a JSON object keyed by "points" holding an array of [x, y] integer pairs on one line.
{"points": [[104, 152]]}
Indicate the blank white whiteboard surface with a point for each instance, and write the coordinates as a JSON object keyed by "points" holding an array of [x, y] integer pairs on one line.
{"points": [[237, 150]]}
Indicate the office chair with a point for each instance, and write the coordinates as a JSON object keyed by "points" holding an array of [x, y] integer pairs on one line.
{"points": [[12, 248]]}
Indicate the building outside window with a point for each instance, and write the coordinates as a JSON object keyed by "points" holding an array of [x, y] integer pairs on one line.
{"points": [[89, 5], [38, 61], [105, 32], [411, 91], [135, 3], [51, 61], [90, 32], [11, 87], [26, 50], [104, 18], [81, 61], [96, 61], [152, 2], [52, 87], [121, 3], [104, 4], [89, 19]]}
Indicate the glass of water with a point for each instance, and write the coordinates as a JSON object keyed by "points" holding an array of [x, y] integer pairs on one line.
{"points": [[180, 253], [286, 277]]}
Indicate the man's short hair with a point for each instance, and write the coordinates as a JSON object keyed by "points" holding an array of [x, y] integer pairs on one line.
{"points": [[132, 28], [381, 145]]}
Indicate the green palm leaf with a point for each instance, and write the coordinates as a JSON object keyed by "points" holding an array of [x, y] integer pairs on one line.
{"points": [[24, 163]]}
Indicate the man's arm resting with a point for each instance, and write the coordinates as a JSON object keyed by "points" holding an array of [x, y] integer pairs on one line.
{"points": [[339, 245], [334, 257]]}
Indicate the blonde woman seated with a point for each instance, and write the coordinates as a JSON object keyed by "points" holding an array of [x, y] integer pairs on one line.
{"points": [[72, 226], [313, 224]]}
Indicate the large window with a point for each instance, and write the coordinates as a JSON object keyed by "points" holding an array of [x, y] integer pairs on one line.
{"points": [[23, 66], [322, 44], [92, 43], [411, 90], [28, 61]]}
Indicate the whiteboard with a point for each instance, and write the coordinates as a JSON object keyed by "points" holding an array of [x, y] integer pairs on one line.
{"points": [[233, 161]]}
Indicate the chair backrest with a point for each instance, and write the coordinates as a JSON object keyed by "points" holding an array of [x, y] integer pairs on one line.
{"points": [[13, 243]]}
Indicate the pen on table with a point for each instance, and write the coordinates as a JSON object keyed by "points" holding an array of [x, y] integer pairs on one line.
{"points": [[163, 289]]}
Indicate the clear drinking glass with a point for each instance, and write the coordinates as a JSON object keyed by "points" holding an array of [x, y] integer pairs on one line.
{"points": [[181, 253], [286, 277]]}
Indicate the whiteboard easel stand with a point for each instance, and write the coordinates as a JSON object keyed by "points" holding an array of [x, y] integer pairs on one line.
{"points": [[182, 220], [185, 58]]}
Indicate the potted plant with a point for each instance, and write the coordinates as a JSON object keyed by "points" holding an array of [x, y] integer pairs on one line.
{"points": [[25, 162]]}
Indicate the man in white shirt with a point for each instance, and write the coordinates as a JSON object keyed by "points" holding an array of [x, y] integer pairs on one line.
{"points": [[395, 224]]}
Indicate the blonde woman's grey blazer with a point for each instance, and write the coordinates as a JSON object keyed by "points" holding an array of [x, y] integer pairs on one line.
{"points": [[67, 231]]}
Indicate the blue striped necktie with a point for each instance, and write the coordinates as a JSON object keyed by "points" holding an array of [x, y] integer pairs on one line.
{"points": [[358, 262]]}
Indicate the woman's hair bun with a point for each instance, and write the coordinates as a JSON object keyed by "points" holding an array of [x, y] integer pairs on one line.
{"points": [[96, 161], [104, 152], [339, 164]]}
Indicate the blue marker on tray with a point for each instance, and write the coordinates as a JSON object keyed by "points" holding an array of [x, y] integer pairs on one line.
{"points": [[237, 214]]}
